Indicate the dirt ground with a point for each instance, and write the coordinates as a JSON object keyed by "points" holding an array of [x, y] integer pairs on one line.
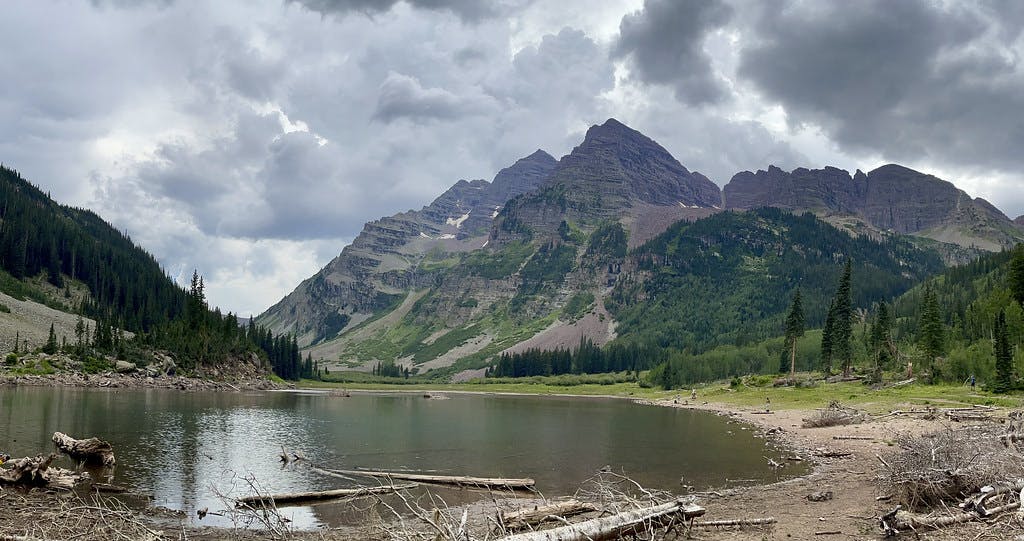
{"points": [[853, 510]]}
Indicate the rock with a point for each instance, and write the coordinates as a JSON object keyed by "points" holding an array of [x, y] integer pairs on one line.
{"points": [[124, 367], [821, 496]]}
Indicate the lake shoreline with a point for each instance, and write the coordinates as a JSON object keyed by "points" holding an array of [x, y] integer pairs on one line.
{"points": [[851, 480], [139, 380]]}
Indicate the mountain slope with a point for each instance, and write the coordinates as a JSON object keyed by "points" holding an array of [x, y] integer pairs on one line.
{"points": [[397, 254], [727, 279], [890, 198]]}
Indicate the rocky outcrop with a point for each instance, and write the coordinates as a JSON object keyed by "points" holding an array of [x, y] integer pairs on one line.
{"points": [[384, 262], [890, 198], [1019, 220]]}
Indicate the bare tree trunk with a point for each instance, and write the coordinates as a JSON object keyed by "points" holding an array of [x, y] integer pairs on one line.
{"points": [[613, 527], [517, 520], [298, 498], [92, 450]]}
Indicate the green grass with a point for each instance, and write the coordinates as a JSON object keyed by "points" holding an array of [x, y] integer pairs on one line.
{"points": [[721, 394]]}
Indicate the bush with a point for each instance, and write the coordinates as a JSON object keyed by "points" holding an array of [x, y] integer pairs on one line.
{"points": [[4, 308], [95, 365], [11, 359]]}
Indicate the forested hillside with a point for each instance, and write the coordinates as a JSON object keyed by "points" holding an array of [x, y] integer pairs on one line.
{"points": [[727, 279], [967, 320], [72, 260]]}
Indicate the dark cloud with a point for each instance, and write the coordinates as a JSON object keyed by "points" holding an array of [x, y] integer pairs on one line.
{"points": [[909, 80], [665, 43], [470, 10]]}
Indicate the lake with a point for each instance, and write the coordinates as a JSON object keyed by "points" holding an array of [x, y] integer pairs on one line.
{"points": [[183, 448]]}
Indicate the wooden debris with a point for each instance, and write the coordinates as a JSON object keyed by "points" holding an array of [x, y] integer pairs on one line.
{"points": [[822, 452], [517, 520], [92, 450], [615, 526], [739, 523], [865, 438], [299, 498], [459, 480], [36, 472]]}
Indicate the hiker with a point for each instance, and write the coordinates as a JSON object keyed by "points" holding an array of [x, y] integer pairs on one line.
{"points": [[972, 380]]}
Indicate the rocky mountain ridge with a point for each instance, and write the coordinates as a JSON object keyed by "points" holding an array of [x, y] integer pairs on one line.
{"points": [[889, 198], [391, 256], [487, 266]]}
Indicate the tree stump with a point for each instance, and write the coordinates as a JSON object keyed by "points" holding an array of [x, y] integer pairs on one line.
{"points": [[92, 450]]}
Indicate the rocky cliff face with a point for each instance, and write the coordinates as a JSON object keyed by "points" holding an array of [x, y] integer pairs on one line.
{"points": [[386, 260], [1019, 220], [616, 173], [892, 198]]}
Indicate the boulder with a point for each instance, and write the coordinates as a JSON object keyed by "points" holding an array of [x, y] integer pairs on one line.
{"points": [[124, 367]]}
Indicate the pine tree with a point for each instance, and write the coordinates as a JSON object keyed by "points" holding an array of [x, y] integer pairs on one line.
{"points": [[1016, 276], [843, 322], [881, 337], [1004, 356], [827, 331], [794, 330], [51, 342], [930, 331]]}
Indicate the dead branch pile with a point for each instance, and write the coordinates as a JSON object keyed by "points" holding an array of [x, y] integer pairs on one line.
{"points": [[949, 465], [834, 415], [91, 450], [36, 515]]}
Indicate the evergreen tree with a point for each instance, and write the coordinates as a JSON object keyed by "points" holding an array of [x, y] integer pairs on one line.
{"points": [[882, 346], [930, 330], [51, 342], [842, 331], [1016, 275], [827, 331], [1004, 356], [794, 330]]}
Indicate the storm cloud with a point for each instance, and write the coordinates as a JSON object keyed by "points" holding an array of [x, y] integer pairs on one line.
{"points": [[256, 148], [665, 43]]}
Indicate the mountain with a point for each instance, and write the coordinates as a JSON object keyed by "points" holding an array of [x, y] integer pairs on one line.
{"points": [[616, 173], [1019, 220], [619, 243], [67, 267], [397, 254], [890, 198]]}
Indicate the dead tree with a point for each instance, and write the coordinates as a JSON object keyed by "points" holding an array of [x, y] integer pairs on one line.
{"points": [[92, 450]]}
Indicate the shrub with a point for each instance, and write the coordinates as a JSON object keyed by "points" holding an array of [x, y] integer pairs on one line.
{"points": [[12, 358], [4, 308]]}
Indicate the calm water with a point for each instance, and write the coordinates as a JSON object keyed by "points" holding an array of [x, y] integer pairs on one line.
{"points": [[183, 447]]}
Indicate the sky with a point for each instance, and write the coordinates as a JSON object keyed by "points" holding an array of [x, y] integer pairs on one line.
{"points": [[252, 140]]}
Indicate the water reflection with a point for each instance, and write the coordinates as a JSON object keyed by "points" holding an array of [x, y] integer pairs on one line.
{"points": [[186, 448]]}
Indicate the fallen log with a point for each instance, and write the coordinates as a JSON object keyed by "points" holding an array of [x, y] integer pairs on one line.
{"points": [[460, 480], [899, 521], [92, 450], [298, 498], [523, 518], [36, 472], [739, 523], [615, 526]]}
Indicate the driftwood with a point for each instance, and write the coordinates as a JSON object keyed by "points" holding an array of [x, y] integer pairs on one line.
{"points": [[460, 480], [36, 472], [739, 523], [524, 518], [298, 498], [898, 521], [92, 450], [614, 526]]}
